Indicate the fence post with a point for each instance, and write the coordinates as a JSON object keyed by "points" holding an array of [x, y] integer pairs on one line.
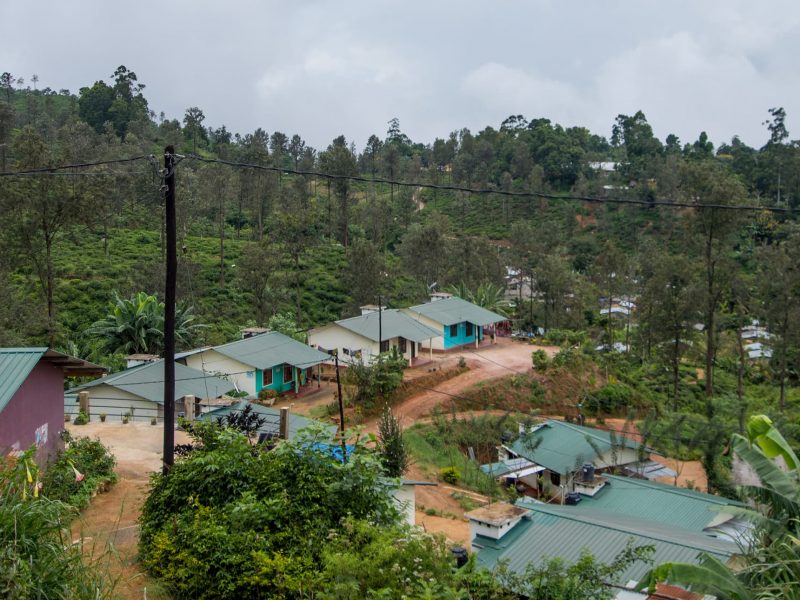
{"points": [[284, 425], [83, 399], [188, 407]]}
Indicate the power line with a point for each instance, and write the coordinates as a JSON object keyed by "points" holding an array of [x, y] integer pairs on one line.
{"points": [[44, 170], [486, 191]]}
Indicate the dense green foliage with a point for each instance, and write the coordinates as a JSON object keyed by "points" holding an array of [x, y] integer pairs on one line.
{"points": [[770, 567], [78, 471], [37, 556]]}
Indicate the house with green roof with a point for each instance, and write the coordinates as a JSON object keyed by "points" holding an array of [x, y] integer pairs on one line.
{"points": [[32, 397], [374, 331], [139, 392], [569, 454], [533, 532], [268, 360], [271, 416], [456, 321]]}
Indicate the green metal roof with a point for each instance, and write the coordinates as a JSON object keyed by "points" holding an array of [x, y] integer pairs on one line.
{"points": [[450, 311], [15, 366], [270, 349], [393, 323], [657, 503], [556, 531], [564, 446], [272, 416], [147, 382], [17, 363]]}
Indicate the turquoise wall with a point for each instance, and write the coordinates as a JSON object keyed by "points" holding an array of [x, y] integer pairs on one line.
{"points": [[278, 384], [461, 338]]}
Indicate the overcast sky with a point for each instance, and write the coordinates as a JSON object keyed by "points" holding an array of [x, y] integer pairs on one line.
{"points": [[324, 68]]}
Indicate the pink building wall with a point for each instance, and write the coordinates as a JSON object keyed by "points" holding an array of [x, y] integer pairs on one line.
{"points": [[35, 413]]}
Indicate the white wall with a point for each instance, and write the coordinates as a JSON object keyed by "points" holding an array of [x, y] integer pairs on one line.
{"points": [[491, 531], [405, 498], [334, 336], [624, 457], [115, 403], [438, 341], [213, 363]]}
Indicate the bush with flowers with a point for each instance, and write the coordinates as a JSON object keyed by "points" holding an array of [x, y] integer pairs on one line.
{"points": [[37, 556], [83, 468]]}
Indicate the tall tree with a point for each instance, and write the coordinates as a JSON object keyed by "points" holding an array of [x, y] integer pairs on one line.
{"points": [[339, 160]]}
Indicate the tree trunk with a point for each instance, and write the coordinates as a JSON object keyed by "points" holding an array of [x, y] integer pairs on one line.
{"points": [[222, 241], [676, 362], [740, 379], [711, 308], [50, 283]]}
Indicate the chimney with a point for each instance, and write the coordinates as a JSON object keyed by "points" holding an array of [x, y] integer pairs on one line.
{"points": [[440, 296], [494, 520], [371, 308]]}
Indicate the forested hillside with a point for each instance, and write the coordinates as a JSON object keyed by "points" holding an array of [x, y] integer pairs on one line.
{"points": [[581, 216]]}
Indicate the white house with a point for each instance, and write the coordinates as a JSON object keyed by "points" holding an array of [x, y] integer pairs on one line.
{"points": [[267, 360], [139, 391], [375, 330], [456, 321]]}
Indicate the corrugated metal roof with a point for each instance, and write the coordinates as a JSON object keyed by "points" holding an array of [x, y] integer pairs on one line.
{"points": [[17, 363], [147, 382], [656, 502], [564, 446], [450, 311], [272, 416], [393, 323], [270, 349], [559, 532], [15, 366]]}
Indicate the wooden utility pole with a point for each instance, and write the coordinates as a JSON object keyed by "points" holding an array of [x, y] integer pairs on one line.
{"points": [[341, 407], [380, 325], [169, 309]]}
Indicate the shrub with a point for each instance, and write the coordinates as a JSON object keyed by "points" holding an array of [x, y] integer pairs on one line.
{"points": [[37, 558], [450, 475], [609, 399], [78, 472], [81, 419], [267, 394], [540, 360]]}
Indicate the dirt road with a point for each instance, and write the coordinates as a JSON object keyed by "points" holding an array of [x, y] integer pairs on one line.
{"points": [[111, 519]]}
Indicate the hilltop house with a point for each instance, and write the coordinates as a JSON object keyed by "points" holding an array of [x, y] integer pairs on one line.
{"points": [[268, 360], [357, 338], [556, 458], [32, 397], [457, 322], [139, 392], [533, 532]]}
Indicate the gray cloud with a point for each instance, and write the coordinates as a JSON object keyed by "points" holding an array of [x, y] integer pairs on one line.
{"points": [[323, 68]]}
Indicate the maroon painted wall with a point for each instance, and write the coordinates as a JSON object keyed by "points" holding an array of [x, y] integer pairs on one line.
{"points": [[38, 404]]}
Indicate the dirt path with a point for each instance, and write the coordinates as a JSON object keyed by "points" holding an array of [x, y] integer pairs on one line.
{"points": [[110, 521], [504, 358]]}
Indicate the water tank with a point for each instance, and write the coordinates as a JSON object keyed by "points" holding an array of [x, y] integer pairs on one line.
{"points": [[588, 472], [460, 555]]}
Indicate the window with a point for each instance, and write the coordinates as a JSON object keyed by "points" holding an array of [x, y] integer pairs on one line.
{"points": [[402, 344], [454, 331], [469, 329], [555, 478], [267, 377], [385, 346], [288, 374]]}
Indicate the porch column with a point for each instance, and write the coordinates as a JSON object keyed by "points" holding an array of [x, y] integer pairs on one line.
{"points": [[477, 336], [430, 348], [319, 375], [296, 380]]}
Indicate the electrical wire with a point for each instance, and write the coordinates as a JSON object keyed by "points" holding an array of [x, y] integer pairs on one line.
{"points": [[75, 166], [486, 191]]}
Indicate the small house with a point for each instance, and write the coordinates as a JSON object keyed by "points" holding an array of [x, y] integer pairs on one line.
{"points": [[268, 360], [536, 532], [457, 322], [271, 427], [32, 397], [376, 330], [139, 392], [571, 458]]}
